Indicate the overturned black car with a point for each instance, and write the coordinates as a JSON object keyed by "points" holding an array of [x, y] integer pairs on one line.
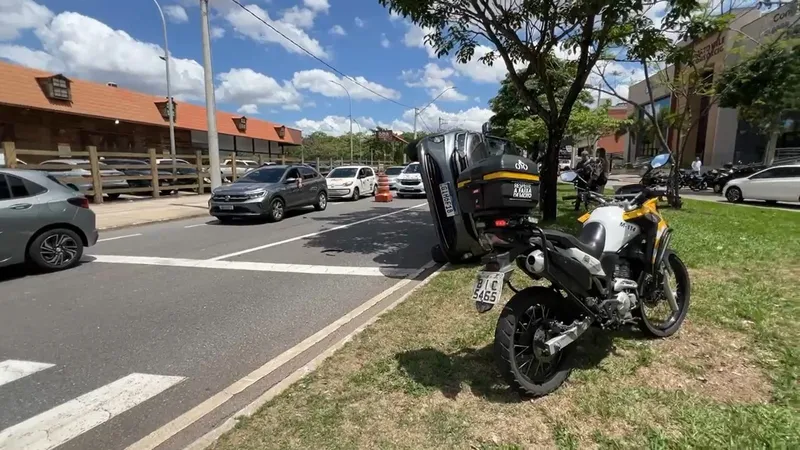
{"points": [[468, 174]]}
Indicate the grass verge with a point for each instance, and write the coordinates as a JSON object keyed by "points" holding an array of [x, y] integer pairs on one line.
{"points": [[424, 377]]}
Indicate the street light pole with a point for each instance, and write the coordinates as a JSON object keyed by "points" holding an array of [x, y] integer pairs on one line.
{"points": [[170, 110], [351, 116], [211, 114]]}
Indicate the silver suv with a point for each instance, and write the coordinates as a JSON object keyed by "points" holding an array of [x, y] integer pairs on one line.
{"points": [[269, 192]]}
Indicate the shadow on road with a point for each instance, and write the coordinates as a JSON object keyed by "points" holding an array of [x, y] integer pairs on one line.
{"points": [[19, 271], [476, 368], [399, 241], [249, 221]]}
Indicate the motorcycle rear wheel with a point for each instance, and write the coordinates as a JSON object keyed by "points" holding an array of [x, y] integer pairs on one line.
{"points": [[522, 323]]}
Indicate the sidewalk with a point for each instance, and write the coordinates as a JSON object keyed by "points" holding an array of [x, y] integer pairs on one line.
{"points": [[124, 213]]}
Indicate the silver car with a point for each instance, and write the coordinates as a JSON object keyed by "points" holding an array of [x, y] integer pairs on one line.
{"points": [[42, 222], [78, 168], [392, 173]]}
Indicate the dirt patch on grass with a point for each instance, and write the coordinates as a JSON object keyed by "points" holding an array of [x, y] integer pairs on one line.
{"points": [[714, 363]]}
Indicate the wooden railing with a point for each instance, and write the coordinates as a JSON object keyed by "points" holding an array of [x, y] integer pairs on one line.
{"points": [[161, 179]]}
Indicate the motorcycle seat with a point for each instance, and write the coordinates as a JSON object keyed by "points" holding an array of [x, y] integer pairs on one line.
{"points": [[591, 241]]}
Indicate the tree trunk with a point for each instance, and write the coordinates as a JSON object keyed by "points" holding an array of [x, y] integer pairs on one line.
{"points": [[548, 179], [772, 144]]}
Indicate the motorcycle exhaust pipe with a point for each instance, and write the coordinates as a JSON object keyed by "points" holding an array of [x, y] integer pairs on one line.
{"points": [[534, 262]]}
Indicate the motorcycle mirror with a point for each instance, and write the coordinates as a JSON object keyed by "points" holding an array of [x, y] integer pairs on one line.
{"points": [[569, 177], [659, 160]]}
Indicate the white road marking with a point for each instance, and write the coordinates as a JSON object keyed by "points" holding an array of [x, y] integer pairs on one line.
{"points": [[186, 419], [196, 225], [305, 236], [13, 369], [77, 416], [208, 439], [119, 237], [255, 266]]}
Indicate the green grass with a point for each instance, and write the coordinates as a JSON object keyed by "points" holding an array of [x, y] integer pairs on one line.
{"points": [[423, 376]]}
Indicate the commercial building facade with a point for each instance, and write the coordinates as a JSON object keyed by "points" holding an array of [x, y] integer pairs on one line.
{"points": [[718, 136]]}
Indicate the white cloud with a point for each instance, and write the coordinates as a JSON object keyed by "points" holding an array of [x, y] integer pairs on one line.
{"points": [[359, 22], [415, 38], [471, 119], [217, 32], [435, 80], [335, 125], [247, 25], [246, 86], [176, 14], [17, 16], [249, 108], [299, 17], [385, 41], [317, 5], [394, 16], [619, 75], [337, 30], [319, 81], [86, 48]]}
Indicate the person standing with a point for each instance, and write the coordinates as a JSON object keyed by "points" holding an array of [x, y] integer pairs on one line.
{"points": [[697, 166], [602, 169], [584, 170]]}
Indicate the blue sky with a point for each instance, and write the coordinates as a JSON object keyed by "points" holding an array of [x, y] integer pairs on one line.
{"points": [[256, 71]]}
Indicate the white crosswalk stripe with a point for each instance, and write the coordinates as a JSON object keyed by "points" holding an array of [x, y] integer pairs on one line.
{"points": [[12, 369], [68, 420]]}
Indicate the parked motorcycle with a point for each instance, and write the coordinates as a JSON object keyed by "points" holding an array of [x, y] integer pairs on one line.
{"points": [[615, 273]]}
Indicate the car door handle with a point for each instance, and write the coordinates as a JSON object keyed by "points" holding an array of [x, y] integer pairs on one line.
{"points": [[20, 206]]}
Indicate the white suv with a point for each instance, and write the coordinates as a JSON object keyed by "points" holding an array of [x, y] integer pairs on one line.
{"points": [[409, 182], [351, 182]]}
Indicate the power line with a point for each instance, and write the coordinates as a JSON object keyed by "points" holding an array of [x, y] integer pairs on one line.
{"points": [[426, 125], [317, 58]]}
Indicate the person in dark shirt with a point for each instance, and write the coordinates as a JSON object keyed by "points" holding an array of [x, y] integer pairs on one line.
{"points": [[602, 170], [584, 170]]}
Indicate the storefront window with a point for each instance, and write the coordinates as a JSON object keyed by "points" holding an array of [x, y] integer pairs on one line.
{"points": [[648, 144]]}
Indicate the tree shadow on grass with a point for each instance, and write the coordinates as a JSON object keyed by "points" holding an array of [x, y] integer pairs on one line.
{"points": [[475, 368]]}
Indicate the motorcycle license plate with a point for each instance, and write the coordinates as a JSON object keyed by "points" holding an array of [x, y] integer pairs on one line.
{"points": [[522, 191], [449, 209], [488, 287]]}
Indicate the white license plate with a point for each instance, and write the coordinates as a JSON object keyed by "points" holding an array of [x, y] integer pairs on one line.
{"points": [[449, 209], [226, 207], [522, 191], [488, 287]]}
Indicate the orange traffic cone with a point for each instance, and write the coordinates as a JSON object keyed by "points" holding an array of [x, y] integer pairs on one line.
{"points": [[384, 194]]}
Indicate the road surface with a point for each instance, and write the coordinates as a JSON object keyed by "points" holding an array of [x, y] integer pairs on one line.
{"points": [[162, 317]]}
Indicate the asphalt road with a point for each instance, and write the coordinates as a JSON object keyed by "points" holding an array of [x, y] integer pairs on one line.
{"points": [[161, 317]]}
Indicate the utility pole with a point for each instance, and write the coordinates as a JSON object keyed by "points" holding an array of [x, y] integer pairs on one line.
{"points": [[170, 109], [211, 114]]}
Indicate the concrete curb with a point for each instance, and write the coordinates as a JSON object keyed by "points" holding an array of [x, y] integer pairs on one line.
{"points": [[146, 222], [209, 438]]}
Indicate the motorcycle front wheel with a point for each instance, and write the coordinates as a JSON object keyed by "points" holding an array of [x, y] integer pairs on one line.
{"points": [[524, 323], [672, 293]]}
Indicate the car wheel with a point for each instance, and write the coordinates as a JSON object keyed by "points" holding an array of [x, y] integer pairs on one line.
{"points": [[399, 195], [113, 196], [56, 249], [717, 188], [277, 209], [356, 194], [734, 194], [322, 202], [375, 189]]}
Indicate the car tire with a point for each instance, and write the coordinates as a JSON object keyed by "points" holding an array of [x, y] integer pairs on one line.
{"points": [[113, 196], [399, 195], [46, 249], [734, 194], [375, 189], [322, 201], [277, 210], [356, 194]]}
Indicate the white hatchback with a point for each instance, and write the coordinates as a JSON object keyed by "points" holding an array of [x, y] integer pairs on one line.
{"points": [[351, 182], [774, 184]]}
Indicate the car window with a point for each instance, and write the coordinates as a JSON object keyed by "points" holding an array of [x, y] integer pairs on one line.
{"points": [[412, 168], [293, 173], [5, 194], [17, 186], [394, 170], [343, 172], [33, 188], [769, 173], [369, 172], [308, 173], [265, 175]]}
